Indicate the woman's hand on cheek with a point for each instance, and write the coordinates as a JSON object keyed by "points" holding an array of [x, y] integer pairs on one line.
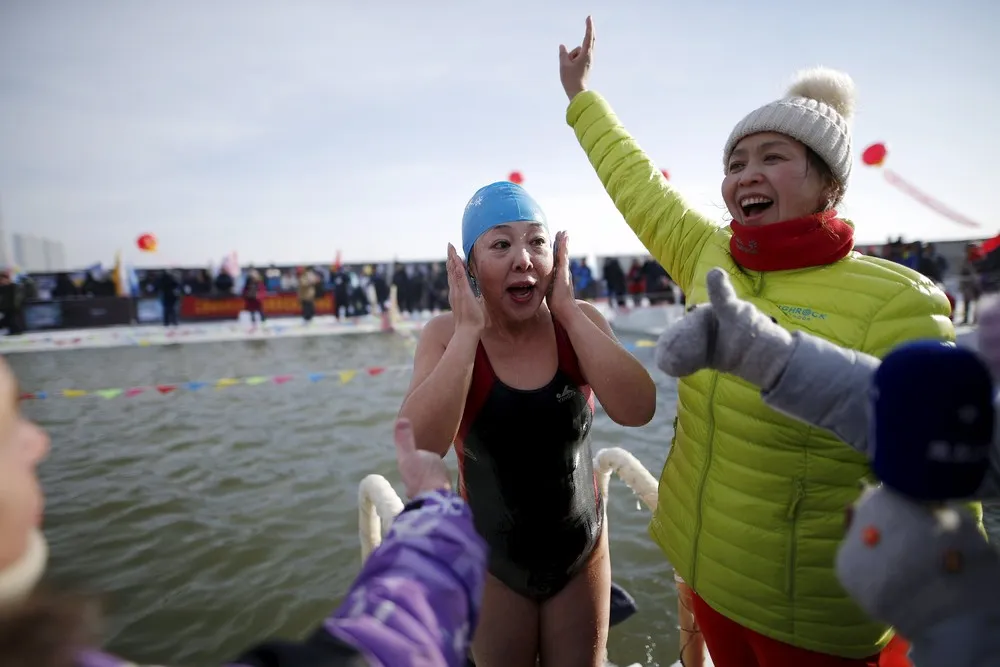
{"points": [[468, 309], [561, 297]]}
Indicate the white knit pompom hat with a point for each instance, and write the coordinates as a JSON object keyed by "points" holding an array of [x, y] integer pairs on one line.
{"points": [[815, 111]]}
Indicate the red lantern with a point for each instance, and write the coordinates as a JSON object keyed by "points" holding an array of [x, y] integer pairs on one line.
{"points": [[146, 243], [516, 177], [875, 155], [666, 174]]}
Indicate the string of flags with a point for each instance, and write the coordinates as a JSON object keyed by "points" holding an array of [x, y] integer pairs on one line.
{"points": [[146, 336], [344, 376]]}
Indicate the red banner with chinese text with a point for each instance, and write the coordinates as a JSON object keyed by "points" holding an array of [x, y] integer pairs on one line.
{"points": [[229, 307]]}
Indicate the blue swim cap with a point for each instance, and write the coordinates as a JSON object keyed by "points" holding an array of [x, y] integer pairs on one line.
{"points": [[494, 205]]}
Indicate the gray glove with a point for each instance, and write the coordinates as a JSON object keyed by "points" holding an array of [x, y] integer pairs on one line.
{"points": [[727, 335], [916, 567]]}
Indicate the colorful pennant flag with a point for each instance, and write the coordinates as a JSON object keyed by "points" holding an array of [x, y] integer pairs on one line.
{"points": [[344, 375]]}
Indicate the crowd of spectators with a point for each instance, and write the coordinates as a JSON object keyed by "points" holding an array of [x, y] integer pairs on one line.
{"points": [[423, 286]]}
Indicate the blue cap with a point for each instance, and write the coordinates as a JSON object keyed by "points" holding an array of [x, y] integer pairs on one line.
{"points": [[932, 421], [496, 204]]}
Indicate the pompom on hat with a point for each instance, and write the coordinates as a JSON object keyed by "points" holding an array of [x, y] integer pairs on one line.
{"points": [[815, 111]]}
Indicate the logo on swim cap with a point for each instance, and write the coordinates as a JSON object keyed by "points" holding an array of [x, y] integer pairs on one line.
{"points": [[496, 204]]}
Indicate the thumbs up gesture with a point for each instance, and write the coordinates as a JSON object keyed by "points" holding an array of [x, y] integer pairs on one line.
{"points": [[727, 334]]}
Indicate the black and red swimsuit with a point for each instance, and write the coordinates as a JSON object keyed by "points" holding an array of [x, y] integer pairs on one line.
{"points": [[526, 470]]}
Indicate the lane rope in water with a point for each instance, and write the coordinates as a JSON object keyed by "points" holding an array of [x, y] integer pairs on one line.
{"points": [[344, 375]]}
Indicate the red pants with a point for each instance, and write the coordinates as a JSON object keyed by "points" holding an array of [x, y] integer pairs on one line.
{"points": [[732, 645]]}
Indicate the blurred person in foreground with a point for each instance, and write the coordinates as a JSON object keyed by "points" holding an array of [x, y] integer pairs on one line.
{"points": [[415, 602]]}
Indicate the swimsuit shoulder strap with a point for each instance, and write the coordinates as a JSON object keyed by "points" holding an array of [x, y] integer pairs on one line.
{"points": [[569, 363], [483, 379]]}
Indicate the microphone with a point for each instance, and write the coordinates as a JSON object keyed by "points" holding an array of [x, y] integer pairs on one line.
{"points": [[932, 421]]}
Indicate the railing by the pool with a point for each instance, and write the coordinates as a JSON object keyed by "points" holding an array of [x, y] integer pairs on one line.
{"points": [[378, 502]]}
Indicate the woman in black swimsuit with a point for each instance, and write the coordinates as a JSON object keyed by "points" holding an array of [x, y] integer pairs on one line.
{"points": [[509, 377]]}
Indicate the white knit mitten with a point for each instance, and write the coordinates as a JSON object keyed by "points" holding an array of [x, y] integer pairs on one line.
{"points": [[727, 334]]}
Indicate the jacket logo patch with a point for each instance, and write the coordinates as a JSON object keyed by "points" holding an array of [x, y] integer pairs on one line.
{"points": [[801, 314]]}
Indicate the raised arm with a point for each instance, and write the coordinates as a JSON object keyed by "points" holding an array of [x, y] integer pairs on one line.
{"points": [[825, 385], [803, 376], [671, 230], [800, 375], [415, 602], [442, 373], [417, 598], [619, 381], [828, 386], [442, 365]]}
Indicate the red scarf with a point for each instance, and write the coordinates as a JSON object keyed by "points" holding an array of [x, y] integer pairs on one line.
{"points": [[816, 240]]}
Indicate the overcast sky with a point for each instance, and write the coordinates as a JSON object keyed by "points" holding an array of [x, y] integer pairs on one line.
{"points": [[285, 131]]}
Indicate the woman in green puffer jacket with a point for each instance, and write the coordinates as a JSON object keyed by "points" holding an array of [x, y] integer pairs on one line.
{"points": [[751, 503]]}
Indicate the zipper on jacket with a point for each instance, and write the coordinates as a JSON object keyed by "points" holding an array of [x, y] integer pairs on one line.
{"points": [[703, 480], [798, 493], [758, 284], [673, 441]]}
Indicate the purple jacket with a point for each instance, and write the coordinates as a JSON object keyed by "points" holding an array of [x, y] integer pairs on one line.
{"points": [[414, 604]]}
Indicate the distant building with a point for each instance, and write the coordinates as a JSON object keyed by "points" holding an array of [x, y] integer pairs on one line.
{"points": [[37, 255]]}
